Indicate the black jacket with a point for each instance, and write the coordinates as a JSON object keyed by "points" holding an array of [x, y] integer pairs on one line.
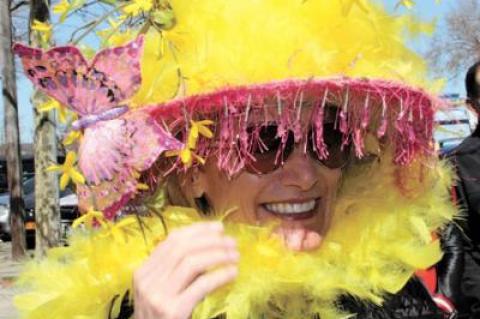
{"points": [[412, 302], [466, 159]]}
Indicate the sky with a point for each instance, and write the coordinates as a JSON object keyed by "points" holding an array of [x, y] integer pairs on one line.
{"points": [[427, 9]]}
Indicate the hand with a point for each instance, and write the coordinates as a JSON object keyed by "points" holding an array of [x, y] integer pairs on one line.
{"points": [[178, 274], [298, 239]]}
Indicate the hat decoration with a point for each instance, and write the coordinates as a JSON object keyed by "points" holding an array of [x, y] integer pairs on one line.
{"points": [[117, 143]]}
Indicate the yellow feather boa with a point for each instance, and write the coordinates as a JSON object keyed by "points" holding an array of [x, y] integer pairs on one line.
{"points": [[379, 238]]}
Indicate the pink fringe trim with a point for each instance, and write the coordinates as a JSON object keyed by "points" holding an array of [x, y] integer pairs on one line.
{"points": [[397, 113]]}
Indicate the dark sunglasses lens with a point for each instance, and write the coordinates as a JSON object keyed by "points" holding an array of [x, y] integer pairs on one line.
{"points": [[266, 150], [337, 157]]}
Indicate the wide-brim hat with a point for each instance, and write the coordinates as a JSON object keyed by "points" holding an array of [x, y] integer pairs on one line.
{"points": [[224, 59], [223, 62]]}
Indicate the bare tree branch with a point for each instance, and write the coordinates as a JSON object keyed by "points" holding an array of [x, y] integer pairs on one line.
{"points": [[457, 44], [19, 5]]}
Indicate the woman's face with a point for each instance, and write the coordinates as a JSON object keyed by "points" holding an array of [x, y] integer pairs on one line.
{"points": [[298, 197]]}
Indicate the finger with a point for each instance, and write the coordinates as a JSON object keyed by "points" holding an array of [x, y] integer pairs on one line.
{"points": [[204, 285], [190, 232], [196, 264], [166, 253], [311, 241], [139, 308], [299, 239], [294, 239], [169, 260]]}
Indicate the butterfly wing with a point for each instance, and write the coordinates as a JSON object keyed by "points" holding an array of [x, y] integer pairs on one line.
{"points": [[108, 196], [147, 140], [101, 154], [112, 153], [64, 74], [55, 72], [122, 66]]}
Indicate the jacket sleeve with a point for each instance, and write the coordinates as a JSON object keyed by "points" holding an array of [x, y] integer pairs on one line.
{"points": [[467, 192], [450, 269]]}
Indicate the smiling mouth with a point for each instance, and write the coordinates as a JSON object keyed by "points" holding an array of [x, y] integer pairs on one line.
{"points": [[293, 210]]}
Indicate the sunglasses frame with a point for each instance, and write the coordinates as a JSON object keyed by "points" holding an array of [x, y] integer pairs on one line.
{"points": [[282, 151]]}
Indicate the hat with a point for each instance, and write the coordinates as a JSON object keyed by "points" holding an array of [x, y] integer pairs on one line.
{"points": [[223, 63]]}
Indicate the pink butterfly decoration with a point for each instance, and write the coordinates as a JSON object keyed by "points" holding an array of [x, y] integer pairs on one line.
{"points": [[118, 142]]}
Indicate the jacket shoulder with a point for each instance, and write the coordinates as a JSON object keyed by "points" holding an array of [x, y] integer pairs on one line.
{"points": [[469, 147]]}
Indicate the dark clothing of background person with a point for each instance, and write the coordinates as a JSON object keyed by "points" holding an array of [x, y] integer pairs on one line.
{"points": [[466, 159]]}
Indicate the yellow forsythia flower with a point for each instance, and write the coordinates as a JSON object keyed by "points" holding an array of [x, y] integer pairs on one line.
{"points": [[52, 104], [136, 7], [69, 172], [406, 3], [62, 8], [71, 137], [44, 29], [197, 129], [90, 218], [186, 154]]}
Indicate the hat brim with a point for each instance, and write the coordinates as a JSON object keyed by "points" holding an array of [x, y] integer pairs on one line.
{"points": [[402, 113], [238, 96]]}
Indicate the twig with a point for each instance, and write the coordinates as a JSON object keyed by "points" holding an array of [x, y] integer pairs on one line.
{"points": [[88, 24], [94, 24], [84, 6], [114, 30], [18, 5]]}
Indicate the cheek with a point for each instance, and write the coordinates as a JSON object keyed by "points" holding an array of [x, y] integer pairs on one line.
{"points": [[330, 178], [332, 181], [239, 193]]}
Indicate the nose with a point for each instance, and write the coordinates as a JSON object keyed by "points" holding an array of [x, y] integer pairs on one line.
{"points": [[299, 171]]}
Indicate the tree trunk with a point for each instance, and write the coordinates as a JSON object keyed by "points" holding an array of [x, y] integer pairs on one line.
{"points": [[47, 212], [14, 163]]}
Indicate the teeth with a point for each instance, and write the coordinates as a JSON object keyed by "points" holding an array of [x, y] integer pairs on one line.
{"points": [[288, 208]]}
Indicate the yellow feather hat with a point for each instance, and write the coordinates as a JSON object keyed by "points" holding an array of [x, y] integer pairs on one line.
{"points": [[218, 44], [224, 60]]}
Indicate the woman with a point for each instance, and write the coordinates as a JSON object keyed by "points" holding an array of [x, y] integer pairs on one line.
{"points": [[327, 188]]}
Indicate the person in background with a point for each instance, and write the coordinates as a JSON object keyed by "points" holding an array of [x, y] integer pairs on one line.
{"points": [[466, 159]]}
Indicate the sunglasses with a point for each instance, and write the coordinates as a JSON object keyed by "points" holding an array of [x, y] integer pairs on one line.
{"points": [[271, 152]]}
